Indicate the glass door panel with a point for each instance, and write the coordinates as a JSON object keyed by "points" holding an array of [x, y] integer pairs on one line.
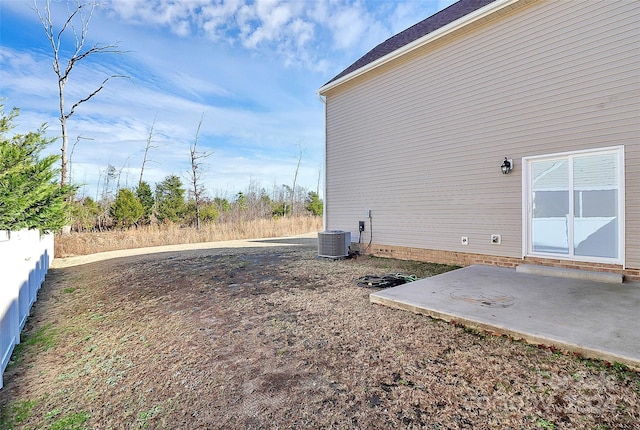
{"points": [[595, 205], [550, 197], [573, 206]]}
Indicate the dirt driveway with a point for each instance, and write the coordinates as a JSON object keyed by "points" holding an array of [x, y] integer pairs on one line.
{"points": [[273, 337]]}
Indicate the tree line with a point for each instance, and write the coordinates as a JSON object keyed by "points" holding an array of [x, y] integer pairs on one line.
{"points": [[169, 202], [31, 198]]}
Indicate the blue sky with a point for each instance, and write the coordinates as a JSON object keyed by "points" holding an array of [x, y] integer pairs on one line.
{"points": [[252, 68]]}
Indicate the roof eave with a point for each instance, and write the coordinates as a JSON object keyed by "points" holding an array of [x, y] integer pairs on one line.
{"points": [[418, 43]]}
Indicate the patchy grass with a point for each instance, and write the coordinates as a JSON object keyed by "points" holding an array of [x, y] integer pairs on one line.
{"points": [[72, 421], [277, 338], [418, 268], [15, 413], [42, 339], [545, 424]]}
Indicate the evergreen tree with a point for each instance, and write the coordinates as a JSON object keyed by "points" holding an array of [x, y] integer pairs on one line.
{"points": [[144, 194], [126, 209], [314, 204], [280, 209], [170, 205], [208, 213], [29, 197], [85, 213], [241, 200], [222, 204]]}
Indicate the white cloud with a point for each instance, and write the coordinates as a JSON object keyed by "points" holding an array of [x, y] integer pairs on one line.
{"points": [[271, 18], [217, 18], [292, 31], [348, 26], [404, 15], [194, 85], [28, 74], [128, 10], [302, 32], [251, 66], [288, 28], [175, 14]]}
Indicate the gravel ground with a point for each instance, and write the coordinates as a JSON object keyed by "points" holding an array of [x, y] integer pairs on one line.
{"points": [[273, 337]]}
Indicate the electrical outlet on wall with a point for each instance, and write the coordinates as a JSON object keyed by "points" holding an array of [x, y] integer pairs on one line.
{"points": [[464, 240], [496, 239]]}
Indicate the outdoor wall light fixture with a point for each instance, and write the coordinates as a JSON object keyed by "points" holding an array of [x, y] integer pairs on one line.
{"points": [[507, 165]]}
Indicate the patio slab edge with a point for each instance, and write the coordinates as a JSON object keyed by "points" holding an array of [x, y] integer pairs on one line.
{"points": [[529, 338]]}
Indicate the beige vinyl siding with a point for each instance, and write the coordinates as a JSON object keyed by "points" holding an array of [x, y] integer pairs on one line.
{"points": [[420, 140]]}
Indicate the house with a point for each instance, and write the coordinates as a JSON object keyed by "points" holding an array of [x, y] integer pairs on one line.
{"points": [[419, 128]]}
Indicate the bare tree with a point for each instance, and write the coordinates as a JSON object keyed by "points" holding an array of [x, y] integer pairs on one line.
{"points": [[77, 22], [196, 171], [73, 148], [295, 179], [146, 149], [125, 164], [110, 174], [319, 177]]}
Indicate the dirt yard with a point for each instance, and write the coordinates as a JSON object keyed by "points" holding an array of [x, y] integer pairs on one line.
{"points": [[259, 338]]}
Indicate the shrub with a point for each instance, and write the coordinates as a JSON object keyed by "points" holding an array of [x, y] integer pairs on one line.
{"points": [[85, 213], [126, 210], [29, 197], [144, 194], [170, 204], [314, 204]]}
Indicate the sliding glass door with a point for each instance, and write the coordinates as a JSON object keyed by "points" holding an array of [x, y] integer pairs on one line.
{"points": [[575, 205]]}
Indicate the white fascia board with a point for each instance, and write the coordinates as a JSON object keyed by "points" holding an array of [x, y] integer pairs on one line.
{"points": [[427, 38]]}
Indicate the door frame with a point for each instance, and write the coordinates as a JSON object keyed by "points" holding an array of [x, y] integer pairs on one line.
{"points": [[527, 207]]}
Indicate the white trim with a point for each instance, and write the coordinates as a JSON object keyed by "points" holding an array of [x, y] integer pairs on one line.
{"points": [[571, 239], [424, 40], [580, 151], [324, 165], [622, 205], [527, 250], [526, 180]]}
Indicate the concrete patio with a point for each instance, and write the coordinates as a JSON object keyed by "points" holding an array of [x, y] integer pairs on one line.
{"points": [[592, 318]]}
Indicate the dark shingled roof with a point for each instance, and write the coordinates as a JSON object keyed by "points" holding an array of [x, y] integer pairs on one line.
{"points": [[415, 32]]}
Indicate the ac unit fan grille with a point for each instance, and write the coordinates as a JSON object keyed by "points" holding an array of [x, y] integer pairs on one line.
{"points": [[334, 244]]}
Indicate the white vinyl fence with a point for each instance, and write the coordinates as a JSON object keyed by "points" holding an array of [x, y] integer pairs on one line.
{"points": [[24, 260]]}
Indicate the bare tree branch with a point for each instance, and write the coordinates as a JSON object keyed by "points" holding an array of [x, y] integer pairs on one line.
{"points": [[120, 172], [78, 54], [79, 102], [196, 171], [295, 178], [147, 147], [68, 22], [73, 148]]}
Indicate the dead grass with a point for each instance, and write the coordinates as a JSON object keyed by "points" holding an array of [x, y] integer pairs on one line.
{"points": [[276, 338], [91, 242]]}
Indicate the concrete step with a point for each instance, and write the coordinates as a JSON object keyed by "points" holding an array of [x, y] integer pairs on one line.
{"points": [[561, 272]]}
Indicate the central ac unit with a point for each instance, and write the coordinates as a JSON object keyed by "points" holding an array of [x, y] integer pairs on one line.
{"points": [[334, 243]]}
